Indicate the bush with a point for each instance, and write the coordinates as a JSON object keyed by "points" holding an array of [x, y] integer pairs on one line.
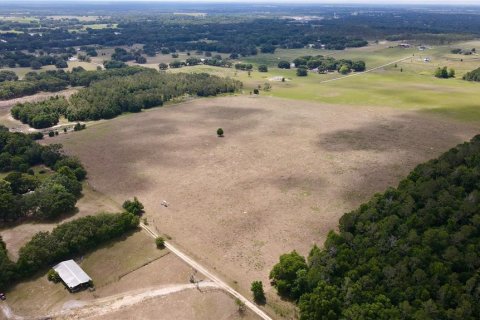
{"points": [[284, 65], [53, 276], [79, 126], [472, 75], [220, 132], [135, 207], [255, 91], [262, 68], [344, 69], [444, 73], [160, 242], [258, 293], [302, 72], [51, 133]]}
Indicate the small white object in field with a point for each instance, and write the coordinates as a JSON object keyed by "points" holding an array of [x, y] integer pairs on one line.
{"points": [[164, 203]]}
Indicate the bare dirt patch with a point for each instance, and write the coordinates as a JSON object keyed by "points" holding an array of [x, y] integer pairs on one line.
{"points": [[279, 180], [187, 304]]}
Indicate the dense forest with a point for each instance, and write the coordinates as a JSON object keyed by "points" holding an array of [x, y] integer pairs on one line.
{"points": [[64, 242], [412, 252], [472, 75], [250, 30], [109, 98], [39, 196]]}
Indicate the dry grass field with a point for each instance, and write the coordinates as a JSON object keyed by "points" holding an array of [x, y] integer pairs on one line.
{"points": [[192, 305], [131, 264], [279, 180]]}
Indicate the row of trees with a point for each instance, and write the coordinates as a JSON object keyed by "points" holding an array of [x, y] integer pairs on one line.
{"points": [[56, 80], [323, 64], [64, 242], [109, 98], [14, 59], [24, 194], [409, 253]]}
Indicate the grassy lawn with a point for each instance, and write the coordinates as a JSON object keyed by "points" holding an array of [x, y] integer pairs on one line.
{"points": [[410, 85]]}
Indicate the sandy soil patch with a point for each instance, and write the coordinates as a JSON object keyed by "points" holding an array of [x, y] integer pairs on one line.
{"points": [[188, 304], [279, 180]]}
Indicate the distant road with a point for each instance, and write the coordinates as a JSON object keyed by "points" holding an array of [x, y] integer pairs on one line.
{"points": [[367, 71], [200, 268]]}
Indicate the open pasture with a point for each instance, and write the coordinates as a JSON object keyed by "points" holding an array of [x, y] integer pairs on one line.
{"points": [[279, 180], [408, 84]]}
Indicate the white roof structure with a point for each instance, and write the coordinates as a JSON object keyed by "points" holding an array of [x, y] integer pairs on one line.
{"points": [[71, 273]]}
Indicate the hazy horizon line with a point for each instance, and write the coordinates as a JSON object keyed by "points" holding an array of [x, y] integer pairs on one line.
{"points": [[267, 2]]}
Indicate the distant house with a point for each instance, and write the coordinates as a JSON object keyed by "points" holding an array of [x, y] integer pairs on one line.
{"points": [[426, 60], [404, 45], [72, 275]]}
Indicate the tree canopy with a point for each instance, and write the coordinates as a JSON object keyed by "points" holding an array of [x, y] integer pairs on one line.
{"points": [[409, 253]]}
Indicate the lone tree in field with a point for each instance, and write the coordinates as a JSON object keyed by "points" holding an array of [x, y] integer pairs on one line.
{"points": [[160, 242], [220, 132], [258, 293]]}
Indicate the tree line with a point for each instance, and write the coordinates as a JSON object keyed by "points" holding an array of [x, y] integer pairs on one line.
{"points": [[57, 80], [409, 253], [106, 99], [14, 59], [65, 241], [41, 196], [323, 64]]}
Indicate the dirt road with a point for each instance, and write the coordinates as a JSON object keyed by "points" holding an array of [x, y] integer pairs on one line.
{"points": [[212, 277]]}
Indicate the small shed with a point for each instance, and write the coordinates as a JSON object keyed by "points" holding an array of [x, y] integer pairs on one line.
{"points": [[72, 275]]}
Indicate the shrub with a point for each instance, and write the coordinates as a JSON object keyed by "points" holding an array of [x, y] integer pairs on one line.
{"points": [[255, 91], [51, 133], [262, 68], [79, 126], [258, 293], [302, 72], [160, 242], [344, 69], [135, 207], [53, 276], [220, 132], [284, 65]]}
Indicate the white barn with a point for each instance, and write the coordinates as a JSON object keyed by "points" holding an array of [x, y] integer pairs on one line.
{"points": [[72, 275]]}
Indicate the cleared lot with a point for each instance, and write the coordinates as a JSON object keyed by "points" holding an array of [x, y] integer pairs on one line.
{"points": [[279, 180]]}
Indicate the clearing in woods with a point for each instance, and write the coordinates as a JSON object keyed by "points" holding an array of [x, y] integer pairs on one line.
{"points": [[279, 180]]}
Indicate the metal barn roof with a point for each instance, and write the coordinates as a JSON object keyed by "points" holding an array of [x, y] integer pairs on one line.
{"points": [[71, 273]]}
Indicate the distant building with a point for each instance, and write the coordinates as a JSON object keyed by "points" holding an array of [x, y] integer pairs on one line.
{"points": [[72, 275], [404, 45]]}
